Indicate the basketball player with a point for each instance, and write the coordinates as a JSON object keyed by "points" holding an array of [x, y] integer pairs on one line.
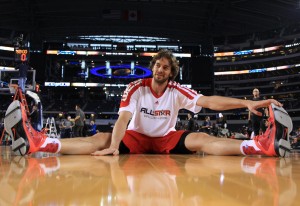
{"points": [[257, 120], [152, 105]]}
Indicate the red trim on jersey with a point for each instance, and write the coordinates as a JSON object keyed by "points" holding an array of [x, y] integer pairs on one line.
{"points": [[183, 90], [132, 87], [153, 92]]}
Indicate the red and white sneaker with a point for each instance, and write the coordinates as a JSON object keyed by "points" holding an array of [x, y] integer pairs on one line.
{"points": [[275, 140], [25, 139]]}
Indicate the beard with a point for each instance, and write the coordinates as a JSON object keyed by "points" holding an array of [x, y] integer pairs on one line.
{"points": [[161, 80]]}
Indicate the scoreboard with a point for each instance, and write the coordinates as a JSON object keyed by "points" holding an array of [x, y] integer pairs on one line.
{"points": [[21, 54]]}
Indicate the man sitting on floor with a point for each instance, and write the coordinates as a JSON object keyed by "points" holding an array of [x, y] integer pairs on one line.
{"points": [[151, 105]]}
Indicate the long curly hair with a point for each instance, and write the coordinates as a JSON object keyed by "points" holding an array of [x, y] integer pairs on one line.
{"points": [[172, 60]]}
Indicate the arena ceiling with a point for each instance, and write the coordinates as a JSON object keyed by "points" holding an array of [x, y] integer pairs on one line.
{"points": [[185, 20]]}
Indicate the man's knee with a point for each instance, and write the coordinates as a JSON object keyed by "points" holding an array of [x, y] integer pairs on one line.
{"points": [[194, 141], [101, 137]]}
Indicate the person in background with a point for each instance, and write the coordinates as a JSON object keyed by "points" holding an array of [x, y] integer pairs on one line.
{"points": [[191, 123], [179, 125], [257, 120], [222, 126], [67, 126], [79, 121], [23, 68], [296, 138], [206, 125], [34, 117], [92, 128], [221, 121]]}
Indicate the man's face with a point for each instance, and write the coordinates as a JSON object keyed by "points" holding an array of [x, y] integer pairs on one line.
{"points": [[161, 70]]}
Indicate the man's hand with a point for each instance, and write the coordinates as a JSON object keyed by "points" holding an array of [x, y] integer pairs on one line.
{"points": [[108, 151], [254, 105]]}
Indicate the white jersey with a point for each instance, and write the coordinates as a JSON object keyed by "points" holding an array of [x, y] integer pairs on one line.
{"points": [[154, 115]]}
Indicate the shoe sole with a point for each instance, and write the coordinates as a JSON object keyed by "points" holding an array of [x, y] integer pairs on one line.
{"points": [[283, 146], [283, 117], [13, 117], [284, 149]]}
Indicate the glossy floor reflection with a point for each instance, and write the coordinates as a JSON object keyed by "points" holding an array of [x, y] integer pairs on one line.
{"points": [[154, 180]]}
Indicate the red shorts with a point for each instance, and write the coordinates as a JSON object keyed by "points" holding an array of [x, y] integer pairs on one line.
{"points": [[138, 143]]}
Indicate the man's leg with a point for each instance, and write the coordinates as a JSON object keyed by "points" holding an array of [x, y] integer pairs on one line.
{"points": [[26, 140], [212, 145], [274, 142], [85, 145]]}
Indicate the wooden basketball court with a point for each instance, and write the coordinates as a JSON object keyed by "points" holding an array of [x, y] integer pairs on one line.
{"points": [[47, 179]]}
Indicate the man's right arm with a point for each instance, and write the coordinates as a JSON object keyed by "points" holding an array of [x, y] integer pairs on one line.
{"points": [[117, 134], [120, 128]]}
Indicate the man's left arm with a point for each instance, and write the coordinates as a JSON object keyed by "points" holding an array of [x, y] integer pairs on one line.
{"points": [[219, 103]]}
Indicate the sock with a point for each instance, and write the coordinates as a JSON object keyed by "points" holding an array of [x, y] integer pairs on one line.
{"points": [[52, 145], [248, 147]]}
